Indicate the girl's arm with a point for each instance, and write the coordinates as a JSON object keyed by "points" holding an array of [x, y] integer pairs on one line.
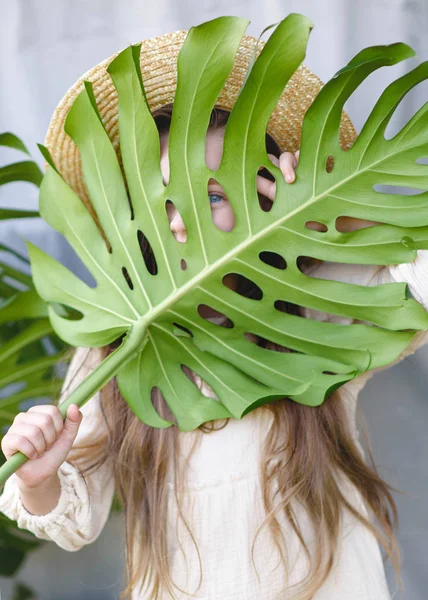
{"points": [[79, 515]]}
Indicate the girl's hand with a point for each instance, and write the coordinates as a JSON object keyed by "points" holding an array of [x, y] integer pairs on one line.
{"points": [[288, 162], [42, 435]]}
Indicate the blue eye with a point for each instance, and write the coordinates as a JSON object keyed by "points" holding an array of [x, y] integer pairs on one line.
{"points": [[217, 195]]}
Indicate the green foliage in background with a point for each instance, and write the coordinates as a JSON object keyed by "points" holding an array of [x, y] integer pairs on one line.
{"points": [[29, 353], [26, 366], [22, 376]]}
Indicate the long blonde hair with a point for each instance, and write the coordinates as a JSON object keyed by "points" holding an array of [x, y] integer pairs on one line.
{"points": [[308, 453]]}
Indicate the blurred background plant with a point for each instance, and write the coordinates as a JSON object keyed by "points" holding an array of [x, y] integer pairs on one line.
{"points": [[29, 351], [33, 359]]}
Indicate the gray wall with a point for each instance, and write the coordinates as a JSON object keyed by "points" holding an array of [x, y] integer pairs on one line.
{"points": [[46, 45]]}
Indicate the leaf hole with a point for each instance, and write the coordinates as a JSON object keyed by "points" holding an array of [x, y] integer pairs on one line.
{"points": [[306, 263], [214, 316], [216, 126], [273, 259], [205, 389], [288, 307], [243, 286], [160, 405], [345, 224], [176, 223], [264, 182], [148, 254], [218, 200], [329, 164], [263, 342], [127, 277], [67, 312], [117, 342], [383, 188], [316, 225], [329, 373], [183, 329]]}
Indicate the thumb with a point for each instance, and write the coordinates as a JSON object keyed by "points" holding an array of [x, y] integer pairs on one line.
{"points": [[72, 422]]}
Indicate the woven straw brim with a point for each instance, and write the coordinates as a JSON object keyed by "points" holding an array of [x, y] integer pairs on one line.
{"points": [[158, 62]]}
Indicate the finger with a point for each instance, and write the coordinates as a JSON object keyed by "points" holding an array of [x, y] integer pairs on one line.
{"points": [[274, 159], [16, 442], [41, 420], [53, 411], [266, 187], [286, 163], [30, 431], [74, 414], [71, 424], [35, 434], [296, 156]]}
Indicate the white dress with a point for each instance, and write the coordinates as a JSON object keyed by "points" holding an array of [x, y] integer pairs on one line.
{"points": [[224, 491]]}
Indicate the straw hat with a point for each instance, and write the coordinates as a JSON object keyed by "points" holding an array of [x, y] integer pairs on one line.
{"points": [[158, 62]]}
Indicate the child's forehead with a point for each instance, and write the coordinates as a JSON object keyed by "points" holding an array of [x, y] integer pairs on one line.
{"points": [[214, 141], [213, 153]]}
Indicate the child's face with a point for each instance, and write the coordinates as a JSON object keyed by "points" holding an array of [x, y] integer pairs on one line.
{"points": [[221, 209]]}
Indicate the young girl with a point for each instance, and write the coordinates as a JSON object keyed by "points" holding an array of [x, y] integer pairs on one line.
{"points": [[279, 504]]}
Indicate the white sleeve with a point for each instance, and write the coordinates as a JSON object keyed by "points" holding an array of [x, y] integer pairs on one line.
{"points": [[415, 274], [79, 516]]}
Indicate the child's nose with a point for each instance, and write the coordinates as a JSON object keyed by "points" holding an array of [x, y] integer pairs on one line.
{"points": [[177, 226]]}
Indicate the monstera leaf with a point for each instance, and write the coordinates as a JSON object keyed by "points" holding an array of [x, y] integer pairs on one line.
{"points": [[157, 315]]}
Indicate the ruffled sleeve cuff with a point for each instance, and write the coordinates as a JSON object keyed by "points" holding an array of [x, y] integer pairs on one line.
{"points": [[65, 523]]}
